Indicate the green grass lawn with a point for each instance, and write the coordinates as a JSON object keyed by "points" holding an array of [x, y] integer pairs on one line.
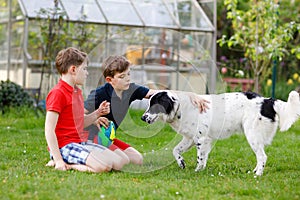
{"points": [[228, 175]]}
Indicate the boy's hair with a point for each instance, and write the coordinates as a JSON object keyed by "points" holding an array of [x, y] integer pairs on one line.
{"points": [[68, 57], [114, 64]]}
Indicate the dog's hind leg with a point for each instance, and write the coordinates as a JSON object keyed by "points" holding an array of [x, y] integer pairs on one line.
{"points": [[261, 158], [258, 148], [180, 148], [203, 145]]}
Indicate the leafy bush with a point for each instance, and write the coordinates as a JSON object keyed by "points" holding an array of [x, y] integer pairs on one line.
{"points": [[13, 95]]}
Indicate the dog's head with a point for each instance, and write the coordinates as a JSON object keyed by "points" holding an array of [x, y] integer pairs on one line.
{"points": [[162, 104]]}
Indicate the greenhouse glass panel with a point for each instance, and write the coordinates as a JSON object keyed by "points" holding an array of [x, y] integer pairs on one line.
{"points": [[87, 10], [3, 14], [32, 8], [3, 42], [189, 14], [120, 12], [208, 8], [155, 13], [16, 40]]}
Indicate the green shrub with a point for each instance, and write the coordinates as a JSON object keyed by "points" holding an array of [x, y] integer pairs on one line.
{"points": [[13, 95]]}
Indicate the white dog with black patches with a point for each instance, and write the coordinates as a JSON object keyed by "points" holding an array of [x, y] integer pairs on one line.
{"points": [[228, 113]]}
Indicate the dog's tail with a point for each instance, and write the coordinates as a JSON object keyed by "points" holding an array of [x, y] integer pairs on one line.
{"points": [[288, 112]]}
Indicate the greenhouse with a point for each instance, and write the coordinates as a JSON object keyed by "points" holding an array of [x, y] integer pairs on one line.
{"points": [[171, 43]]}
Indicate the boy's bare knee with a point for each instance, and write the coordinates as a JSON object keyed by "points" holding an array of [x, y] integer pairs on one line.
{"points": [[120, 162], [102, 168], [139, 160], [125, 160], [120, 159], [118, 167], [99, 162], [134, 156]]}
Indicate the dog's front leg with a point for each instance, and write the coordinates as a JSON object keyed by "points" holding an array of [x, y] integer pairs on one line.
{"points": [[203, 145], [180, 148]]}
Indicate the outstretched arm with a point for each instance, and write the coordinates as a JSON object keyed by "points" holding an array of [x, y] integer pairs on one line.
{"points": [[196, 100]]}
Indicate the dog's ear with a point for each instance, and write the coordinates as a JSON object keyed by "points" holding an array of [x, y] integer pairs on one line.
{"points": [[173, 99], [172, 96]]}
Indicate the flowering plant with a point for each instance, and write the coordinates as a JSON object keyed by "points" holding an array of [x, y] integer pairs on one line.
{"points": [[235, 68], [282, 87]]}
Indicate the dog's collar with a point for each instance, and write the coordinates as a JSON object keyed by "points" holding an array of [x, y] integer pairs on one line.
{"points": [[176, 115]]}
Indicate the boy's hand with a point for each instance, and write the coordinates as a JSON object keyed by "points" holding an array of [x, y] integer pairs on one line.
{"points": [[50, 163], [200, 103], [101, 121], [61, 165], [103, 109]]}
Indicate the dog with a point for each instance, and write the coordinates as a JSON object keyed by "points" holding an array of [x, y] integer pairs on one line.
{"points": [[228, 113]]}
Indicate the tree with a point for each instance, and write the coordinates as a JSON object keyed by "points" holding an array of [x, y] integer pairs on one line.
{"points": [[260, 36], [57, 33], [53, 37]]}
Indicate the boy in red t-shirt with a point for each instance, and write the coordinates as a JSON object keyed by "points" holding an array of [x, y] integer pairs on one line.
{"points": [[65, 120]]}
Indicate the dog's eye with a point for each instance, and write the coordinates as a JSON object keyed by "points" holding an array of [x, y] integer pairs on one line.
{"points": [[173, 99]]}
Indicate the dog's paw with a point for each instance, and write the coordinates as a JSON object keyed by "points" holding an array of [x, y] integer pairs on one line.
{"points": [[258, 171], [255, 170], [199, 168], [181, 164]]}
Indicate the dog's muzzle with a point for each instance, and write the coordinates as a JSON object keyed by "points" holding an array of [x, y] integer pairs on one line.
{"points": [[144, 118], [147, 118]]}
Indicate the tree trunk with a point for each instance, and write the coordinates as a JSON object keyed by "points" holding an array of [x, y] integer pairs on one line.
{"points": [[256, 83]]}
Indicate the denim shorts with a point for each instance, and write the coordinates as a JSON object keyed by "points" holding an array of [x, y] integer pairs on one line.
{"points": [[77, 153]]}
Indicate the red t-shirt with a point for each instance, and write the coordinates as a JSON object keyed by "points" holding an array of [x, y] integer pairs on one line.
{"points": [[68, 103]]}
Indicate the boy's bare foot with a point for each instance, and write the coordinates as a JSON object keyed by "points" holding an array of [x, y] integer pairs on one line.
{"points": [[82, 168], [50, 163]]}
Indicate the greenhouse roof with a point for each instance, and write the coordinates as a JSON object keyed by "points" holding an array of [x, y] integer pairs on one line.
{"points": [[173, 14]]}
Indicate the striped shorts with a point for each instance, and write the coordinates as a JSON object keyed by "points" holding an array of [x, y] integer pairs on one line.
{"points": [[77, 153]]}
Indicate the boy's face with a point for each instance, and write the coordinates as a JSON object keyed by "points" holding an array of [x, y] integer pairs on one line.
{"points": [[120, 81], [81, 73]]}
